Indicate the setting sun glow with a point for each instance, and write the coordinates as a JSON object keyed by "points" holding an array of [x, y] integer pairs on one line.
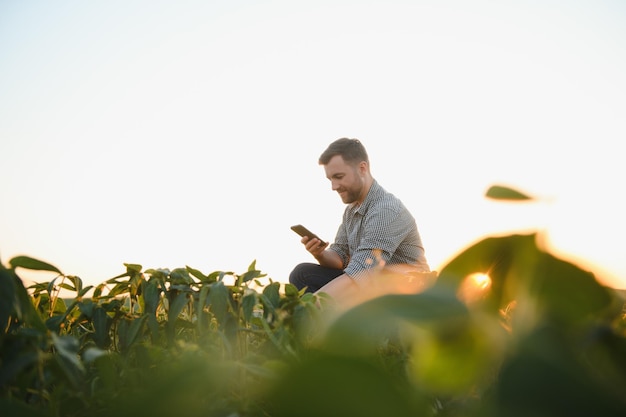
{"points": [[474, 287]]}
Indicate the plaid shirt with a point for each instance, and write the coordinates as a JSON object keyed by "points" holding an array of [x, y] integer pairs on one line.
{"points": [[380, 229]]}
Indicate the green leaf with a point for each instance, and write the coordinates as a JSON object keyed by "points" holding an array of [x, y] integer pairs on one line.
{"points": [[67, 348], [54, 323], [38, 287], [306, 297], [84, 291], [92, 354], [76, 281], [218, 299], [180, 276], [519, 271], [248, 303], [547, 376], [151, 295], [569, 293], [250, 275], [500, 192], [8, 297], [128, 332], [67, 286], [348, 386], [508, 261], [176, 306], [133, 268], [119, 288], [304, 319], [17, 362], [101, 325], [134, 284], [160, 273], [253, 273], [59, 318], [86, 307], [32, 263], [291, 291], [106, 366], [59, 306], [202, 302], [24, 308], [51, 286], [97, 293], [272, 295], [451, 358], [217, 276], [361, 329], [15, 407], [196, 273]]}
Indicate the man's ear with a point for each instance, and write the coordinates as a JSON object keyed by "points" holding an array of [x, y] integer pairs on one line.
{"points": [[363, 167]]}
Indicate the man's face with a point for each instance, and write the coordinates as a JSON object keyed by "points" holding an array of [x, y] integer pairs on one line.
{"points": [[346, 179]]}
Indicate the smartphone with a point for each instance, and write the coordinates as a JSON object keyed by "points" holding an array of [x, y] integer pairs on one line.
{"points": [[303, 231]]}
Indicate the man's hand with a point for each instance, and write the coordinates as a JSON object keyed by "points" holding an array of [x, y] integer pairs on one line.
{"points": [[317, 248], [314, 245]]}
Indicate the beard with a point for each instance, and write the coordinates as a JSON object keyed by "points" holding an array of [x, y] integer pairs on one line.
{"points": [[350, 197], [352, 194]]}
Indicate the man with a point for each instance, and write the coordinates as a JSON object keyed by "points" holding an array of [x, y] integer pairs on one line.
{"points": [[377, 229]]}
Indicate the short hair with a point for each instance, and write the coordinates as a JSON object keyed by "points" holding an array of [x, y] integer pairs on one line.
{"points": [[351, 150]]}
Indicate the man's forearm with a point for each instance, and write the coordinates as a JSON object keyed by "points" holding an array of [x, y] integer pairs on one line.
{"points": [[330, 259]]}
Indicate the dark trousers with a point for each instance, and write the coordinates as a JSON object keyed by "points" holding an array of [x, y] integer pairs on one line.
{"points": [[312, 276]]}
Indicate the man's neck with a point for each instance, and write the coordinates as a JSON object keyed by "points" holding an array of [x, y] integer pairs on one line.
{"points": [[369, 181]]}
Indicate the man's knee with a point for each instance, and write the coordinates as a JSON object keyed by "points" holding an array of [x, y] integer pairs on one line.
{"points": [[297, 276]]}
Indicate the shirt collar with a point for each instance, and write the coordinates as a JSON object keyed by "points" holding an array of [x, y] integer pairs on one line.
{"points": [[362, 208]]}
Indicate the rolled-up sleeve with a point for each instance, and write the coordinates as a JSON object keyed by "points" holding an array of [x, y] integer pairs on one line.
{"points": [[341, 245]]}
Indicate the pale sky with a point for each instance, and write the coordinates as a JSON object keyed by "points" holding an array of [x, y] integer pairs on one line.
{"points": [[187, 133]]}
